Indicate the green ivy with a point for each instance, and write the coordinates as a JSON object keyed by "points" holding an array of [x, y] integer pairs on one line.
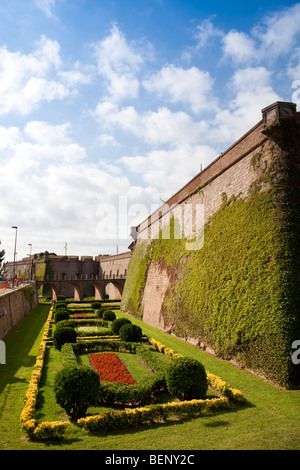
{"points": [[135, 281], [27, 292], [239, 293], [233, 293]]}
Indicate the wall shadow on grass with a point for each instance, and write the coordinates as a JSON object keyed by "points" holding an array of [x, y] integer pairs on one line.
{"points": [[19, 342]]}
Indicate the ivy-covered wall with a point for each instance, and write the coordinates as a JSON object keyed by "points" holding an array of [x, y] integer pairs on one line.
{"points": [[239, 294], [42, 269], [135, 282]]}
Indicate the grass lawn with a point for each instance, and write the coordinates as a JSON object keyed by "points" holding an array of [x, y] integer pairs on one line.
{"points": [[269, 420]]}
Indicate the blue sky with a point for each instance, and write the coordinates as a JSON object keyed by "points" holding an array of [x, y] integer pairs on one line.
{"points": [[109, 107]]}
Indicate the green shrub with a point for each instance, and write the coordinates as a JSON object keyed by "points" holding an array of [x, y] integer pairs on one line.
{"points": [[115, 394], [156, 361], [68, 355], [76, 388], [109, 315], [65, 323], [61, 297], [64, 335], [186, 379], [99, 312], [61, 314], [96, 305], [59, 305], [83, 347], [118, 323], [130, 332]]}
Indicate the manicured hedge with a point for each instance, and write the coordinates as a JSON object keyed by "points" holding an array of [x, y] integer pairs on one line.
{"points": [[150, 414], [104, 345], [113, 394], [186, 379]]}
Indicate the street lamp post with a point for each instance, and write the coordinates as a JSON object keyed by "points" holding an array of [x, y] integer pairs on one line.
{"points": [[13, 280]]}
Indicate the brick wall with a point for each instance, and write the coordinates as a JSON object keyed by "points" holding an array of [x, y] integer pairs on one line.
{"points": [[114, 266], [154, 293], [14, 306], [84, 267], [232, 173]]}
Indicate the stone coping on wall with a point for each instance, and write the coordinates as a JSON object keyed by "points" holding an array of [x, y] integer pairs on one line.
{"points": [[9, 290], [250, 141]]}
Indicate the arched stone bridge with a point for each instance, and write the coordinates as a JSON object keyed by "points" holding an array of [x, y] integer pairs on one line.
{"points": [[83, 286]]}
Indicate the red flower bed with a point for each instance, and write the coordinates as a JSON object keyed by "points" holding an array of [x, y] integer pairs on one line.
{"points": [[79, 314], [110, 368]]}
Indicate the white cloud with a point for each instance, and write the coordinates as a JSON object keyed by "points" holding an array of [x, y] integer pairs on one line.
{"points": [[9, 137], [279, 31], [204, 32], [273, 37], [170, 169], [118, 63], [190, 86], [153, 127], [46, 6], [240, 47], [79, 75], [52, 194], [252, 91], [107, 139], [27, 80], [44, 133]]}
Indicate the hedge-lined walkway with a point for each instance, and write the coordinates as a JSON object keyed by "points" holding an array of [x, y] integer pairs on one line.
{"points": [[270, 419]]}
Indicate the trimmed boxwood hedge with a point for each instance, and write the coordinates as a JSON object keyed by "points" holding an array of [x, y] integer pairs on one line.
{"points": [[64, 335], [76, 388], [130, 332], [61, 314], [186, 378], [118, 323], [113, 394]]}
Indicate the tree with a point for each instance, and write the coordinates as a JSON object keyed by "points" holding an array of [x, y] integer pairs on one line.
{"points": [[76, 388]]}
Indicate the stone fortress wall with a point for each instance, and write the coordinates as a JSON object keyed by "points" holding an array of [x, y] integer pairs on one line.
{"points": [[232, 173]]}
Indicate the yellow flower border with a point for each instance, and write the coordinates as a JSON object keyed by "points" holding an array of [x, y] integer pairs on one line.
{"points": [[44, 430], [150, 414]]}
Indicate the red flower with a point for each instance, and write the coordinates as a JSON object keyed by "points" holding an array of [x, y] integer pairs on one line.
{"points": [[110, 368]]}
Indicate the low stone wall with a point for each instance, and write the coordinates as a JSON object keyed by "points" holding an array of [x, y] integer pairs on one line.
{"points": [[14, 305]]}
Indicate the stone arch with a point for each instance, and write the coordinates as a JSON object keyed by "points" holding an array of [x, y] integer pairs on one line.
{"points": [[77, 291], [99, 290], [114, 289], [54, 290]]}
